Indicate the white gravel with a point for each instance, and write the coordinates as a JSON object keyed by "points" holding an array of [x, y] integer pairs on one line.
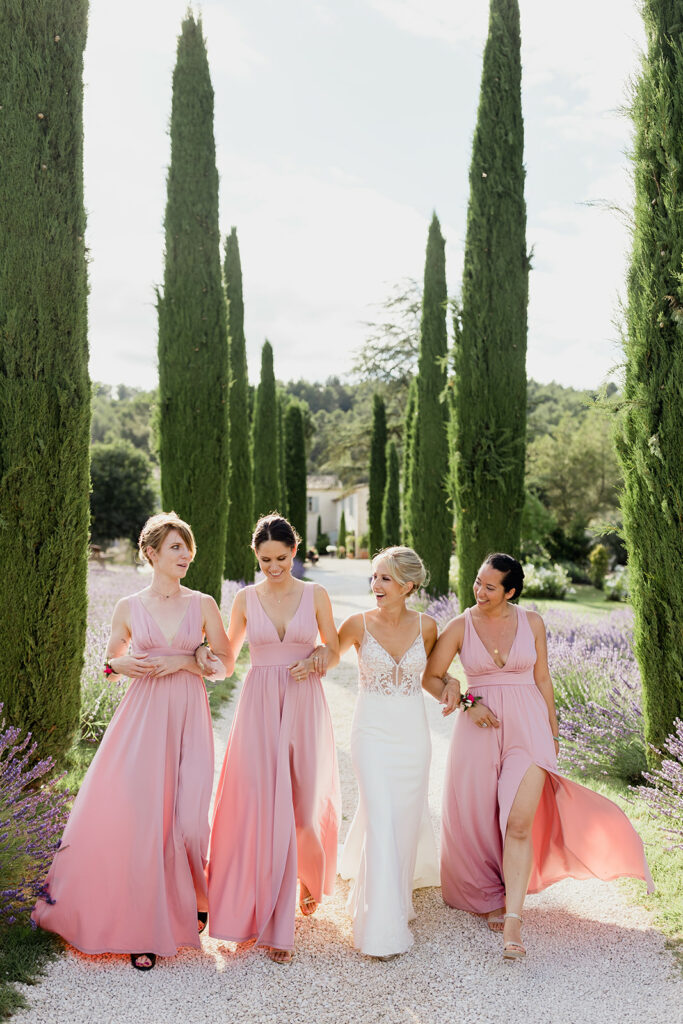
{"points": [[591, 957]]}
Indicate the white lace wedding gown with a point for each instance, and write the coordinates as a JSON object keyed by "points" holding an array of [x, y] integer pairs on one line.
{"points": [[390, 848]]}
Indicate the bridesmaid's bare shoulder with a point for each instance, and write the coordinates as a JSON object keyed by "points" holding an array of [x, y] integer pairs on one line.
{"points": [[535, 621]]}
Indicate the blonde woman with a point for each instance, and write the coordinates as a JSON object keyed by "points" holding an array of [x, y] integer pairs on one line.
{"points": [[390, 848], [129, 873]]}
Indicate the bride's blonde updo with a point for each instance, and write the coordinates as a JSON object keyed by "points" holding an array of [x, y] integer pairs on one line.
{"points": [[404, 565]]}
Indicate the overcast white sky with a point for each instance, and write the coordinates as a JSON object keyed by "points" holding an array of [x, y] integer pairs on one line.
{"points": [[340, 126]]}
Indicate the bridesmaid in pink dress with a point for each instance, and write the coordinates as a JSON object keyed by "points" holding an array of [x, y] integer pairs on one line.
{"points": [[276, 814], [511, 824], [130, 870]]}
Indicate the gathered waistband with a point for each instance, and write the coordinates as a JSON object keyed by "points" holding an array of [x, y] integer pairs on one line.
{"points": [[508, 679], [272, 655]]}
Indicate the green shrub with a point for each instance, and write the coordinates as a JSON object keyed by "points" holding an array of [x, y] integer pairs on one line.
{"points": [[550, 581], [617, 584], [599, 564]]}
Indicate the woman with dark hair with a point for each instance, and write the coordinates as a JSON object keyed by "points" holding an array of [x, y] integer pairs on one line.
{"points": [[511, 824], [277, 807]]}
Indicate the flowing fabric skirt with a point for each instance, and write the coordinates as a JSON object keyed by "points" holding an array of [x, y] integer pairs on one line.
{"points": [[277, 809], [129, 874], [390, 848], [576, 834]]}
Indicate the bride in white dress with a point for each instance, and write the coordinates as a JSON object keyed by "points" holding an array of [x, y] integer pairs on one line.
{"points": [[390, 848]]}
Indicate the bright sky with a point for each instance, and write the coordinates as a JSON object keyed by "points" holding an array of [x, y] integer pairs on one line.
{"points": [[340, 126]]}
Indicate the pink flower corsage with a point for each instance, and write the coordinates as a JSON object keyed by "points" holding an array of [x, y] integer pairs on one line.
{"points": [[468, 700]]}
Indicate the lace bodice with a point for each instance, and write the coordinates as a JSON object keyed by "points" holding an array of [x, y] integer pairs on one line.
{"points": [[379, 673]]}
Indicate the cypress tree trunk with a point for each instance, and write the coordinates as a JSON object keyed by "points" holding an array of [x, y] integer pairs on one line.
{"points": [[431, 519], [295, 458], [239, 560], [44, 386], [193, 351], [391, 508], [408, 431], [378, 473], [650, 443], [266, 439], [490, 348]]}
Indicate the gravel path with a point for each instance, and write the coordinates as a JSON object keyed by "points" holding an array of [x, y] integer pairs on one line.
{"points": [[591, 956]]}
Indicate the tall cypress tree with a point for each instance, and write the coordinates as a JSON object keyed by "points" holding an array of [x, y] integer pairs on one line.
{"points": [[408, 431], [295, 458], [282, 504], [341, 538], [193, 351], [650, 442], [265, 439], [431, 519], [378, 472], [490, 346], [391, 507], [44, 387], [239, 560]]}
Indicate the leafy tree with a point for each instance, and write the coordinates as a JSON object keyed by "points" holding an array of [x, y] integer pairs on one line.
{"points": [[390, 352], [650, 443], [378, 472], [239, 560], [391, 507], [408, 444], [125, 414], [490, 345], [123, 495], [193, 351], [295, 459], [431, 519], [265, 439], [44, 386]]}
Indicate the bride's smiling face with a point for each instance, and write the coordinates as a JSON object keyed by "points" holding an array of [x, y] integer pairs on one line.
{"points": [[386, 589]]}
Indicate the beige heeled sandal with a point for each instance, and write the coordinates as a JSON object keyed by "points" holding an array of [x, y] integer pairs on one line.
{"points": [[513, 950]]}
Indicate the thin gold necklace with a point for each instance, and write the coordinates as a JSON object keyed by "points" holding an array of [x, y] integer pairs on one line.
{"points": [[167, 596]]}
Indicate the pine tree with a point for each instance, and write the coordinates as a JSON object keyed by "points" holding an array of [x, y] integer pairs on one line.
{"points": [[378, 472], [490, 343], [239, 560], [391, 507], [193, 351], [431, 519], [408, 431], [44, 387], [650, 442], [295, 459], [265, 439]]}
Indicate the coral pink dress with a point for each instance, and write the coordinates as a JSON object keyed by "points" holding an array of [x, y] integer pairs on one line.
{"points": [[576, 834], [129, 873], [277, 808]]}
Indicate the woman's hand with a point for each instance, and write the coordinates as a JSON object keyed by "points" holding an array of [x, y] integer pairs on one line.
{"points": [[208, 662], [130, 665], [320, 659], [482, 716], [166, 664], [450, 698], [302, 669]]}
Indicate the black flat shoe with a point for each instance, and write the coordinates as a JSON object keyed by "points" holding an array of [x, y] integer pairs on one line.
{"points": [[134, 957], [202, 918]]}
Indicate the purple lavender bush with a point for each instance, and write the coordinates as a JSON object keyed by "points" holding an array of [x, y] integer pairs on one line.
{"points": [[33, 813], [443, 609], [664, 795]]}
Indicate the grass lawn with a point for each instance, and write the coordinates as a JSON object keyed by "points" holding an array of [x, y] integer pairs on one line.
{"points": [[23, 953], [586, 600]]}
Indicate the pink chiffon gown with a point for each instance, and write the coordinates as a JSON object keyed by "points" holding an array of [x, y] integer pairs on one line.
{"points": [[576, 833], [276, 815], [129, 875]]}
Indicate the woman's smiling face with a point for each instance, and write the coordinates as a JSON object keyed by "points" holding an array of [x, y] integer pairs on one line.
{"points": [[386, 589], [488, 588], [275, 559]]}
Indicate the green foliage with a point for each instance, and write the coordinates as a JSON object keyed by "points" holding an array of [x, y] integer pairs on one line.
{"points": [[123, 495], [281, 459], [538, 524], [124, 414], [239, 560], [328, 396], [378, 472], [650, 439], [341, 539], [265, 439], [408, 444], [295, 460], [599, 563], [24, 952], [490, 347], [616, 585], [550, 581], [193, 350], [391, 507], [431, 518], [44, 386], [390, 352]]}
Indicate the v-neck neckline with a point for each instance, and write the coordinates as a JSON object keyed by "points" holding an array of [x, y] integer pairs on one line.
{"points": [[388, 653], [514, 639], [281, 639], [169, 643]]}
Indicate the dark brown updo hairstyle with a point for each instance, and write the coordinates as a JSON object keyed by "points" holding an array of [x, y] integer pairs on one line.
{"points": [[275, 527], [513, 574]]}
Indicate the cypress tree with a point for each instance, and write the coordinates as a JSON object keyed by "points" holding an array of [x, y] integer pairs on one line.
{"points": [[265, 439], [490, 344], [378, 472], [408, 430], [391, 507], [281, 459], [341, 539], [193, 351], [650, 438], [431, 519], [44, 386], [295, 458], [239, 560]]}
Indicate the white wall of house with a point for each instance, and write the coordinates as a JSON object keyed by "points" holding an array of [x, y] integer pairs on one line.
{"points": [[354, 504], [321, 493]]}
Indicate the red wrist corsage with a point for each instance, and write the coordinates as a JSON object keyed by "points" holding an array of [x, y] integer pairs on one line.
{"points": [[468, 700]]}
